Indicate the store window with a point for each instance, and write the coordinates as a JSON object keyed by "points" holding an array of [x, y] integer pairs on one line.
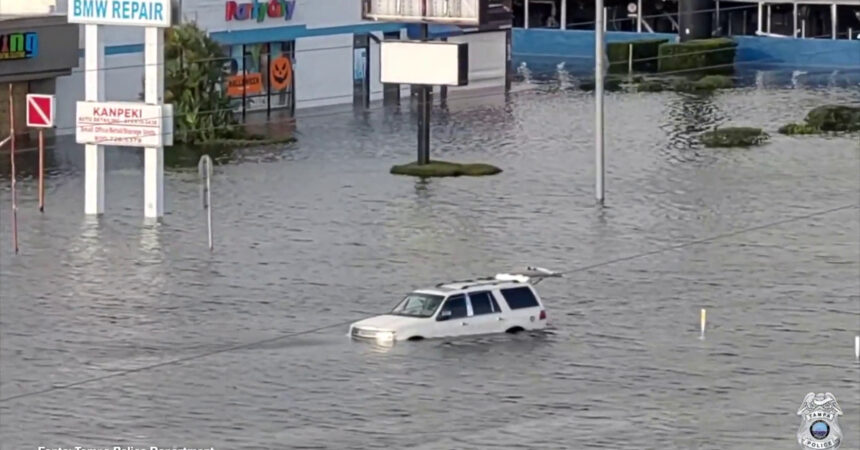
{"points": [[261, 77]]}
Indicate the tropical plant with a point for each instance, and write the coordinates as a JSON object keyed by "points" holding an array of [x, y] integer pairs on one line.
{"points": [[193, 78]]}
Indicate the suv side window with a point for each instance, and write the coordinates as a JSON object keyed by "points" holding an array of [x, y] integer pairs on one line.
{"points": [[457, 305], [519, 298], [483, 303]]}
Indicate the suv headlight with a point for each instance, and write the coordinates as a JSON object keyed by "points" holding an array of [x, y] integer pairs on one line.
{"points": [[384, 335]]}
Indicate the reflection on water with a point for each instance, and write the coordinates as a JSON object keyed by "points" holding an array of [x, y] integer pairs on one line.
{"points": [[319, 234]]}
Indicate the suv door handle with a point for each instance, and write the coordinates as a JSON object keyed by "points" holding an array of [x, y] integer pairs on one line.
{"points": [[500, 318], [464, 323]]}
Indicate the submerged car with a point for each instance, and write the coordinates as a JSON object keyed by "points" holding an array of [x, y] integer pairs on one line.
{"points": [[506, 302]]}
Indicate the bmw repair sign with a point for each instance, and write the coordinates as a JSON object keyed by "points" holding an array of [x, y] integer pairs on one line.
{"points": [[142, 13]]}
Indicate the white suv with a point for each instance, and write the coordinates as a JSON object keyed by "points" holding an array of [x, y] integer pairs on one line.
{"points": [[507, 302]]}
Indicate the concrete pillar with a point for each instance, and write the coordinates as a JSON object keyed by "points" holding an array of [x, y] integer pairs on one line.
{"points": [[760, 17], [833, 20], [694, 19], [94, 77]]}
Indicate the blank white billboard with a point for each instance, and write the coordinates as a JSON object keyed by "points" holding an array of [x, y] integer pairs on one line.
{"points": [[429, 63]]}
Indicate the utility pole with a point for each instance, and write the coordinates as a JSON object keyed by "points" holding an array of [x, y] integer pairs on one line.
{"points": [[598, 99]]}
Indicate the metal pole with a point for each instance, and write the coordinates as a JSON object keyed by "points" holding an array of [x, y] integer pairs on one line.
{"points": [[526, 16], [760, 18], [12, 156], [731, 17], [794, 26], [599, 22], [803, 28], [833, 20], [563, 14], [719, 26], [850, 34], [424, 106], [41, 170], [639, 16], [204, 168], [605, 15], [768, 17]]}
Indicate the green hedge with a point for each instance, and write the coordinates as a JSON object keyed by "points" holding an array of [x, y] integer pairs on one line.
{"points": [[715, 56], [835, 118], [645, 53]]}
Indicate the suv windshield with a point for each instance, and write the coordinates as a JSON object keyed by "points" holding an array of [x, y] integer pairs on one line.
{"points": [[418, 305]]}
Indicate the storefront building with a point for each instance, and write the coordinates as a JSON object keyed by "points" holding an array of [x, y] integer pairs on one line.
{"points": [[281, 56], [34, 52]]}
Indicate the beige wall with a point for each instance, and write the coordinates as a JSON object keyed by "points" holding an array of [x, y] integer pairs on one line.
{"points": [[27, 6]]}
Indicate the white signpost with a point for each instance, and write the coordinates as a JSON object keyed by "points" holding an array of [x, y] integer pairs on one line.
{"points": [[100, 123]]}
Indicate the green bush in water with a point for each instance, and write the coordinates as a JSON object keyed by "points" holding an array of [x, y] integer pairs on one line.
{"points": [[651, 86], [609, 84], [835, 118], [444, 169], [716, 56], [704, 84], [645, 52], [734, 137], [799, 128]]}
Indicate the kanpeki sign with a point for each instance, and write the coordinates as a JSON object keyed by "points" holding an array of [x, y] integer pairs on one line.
{"points": [[272, 9]]}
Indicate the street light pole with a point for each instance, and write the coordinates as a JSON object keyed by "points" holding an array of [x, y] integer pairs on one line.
{"points": [[598, 99]]}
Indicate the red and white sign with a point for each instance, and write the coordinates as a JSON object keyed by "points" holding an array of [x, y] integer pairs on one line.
{"points": [[40, 111], [124, 124]]}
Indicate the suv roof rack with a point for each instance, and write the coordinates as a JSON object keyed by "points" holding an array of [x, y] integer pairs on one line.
{"points": [[523, 275]]}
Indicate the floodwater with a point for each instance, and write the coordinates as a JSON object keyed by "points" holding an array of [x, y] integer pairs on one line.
{"points": [[122, 332]]}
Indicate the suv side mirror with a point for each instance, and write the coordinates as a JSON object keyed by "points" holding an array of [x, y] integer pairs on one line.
{"points": [[445, 314]]}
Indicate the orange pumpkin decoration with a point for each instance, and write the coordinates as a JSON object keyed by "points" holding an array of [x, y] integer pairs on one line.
{"points": [[281, 73]]}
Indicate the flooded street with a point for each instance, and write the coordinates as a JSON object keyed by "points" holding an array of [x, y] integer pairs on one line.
{"points": [[246, 347]]}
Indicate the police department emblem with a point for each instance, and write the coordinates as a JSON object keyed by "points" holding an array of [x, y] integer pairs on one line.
{"points": [[819, 428]]}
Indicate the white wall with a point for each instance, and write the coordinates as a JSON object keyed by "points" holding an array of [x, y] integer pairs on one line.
{"points": [[323, 70], [487, 59]]}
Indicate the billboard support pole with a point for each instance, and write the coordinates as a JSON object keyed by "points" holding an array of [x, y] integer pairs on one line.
{"points": [[424, 108], [94, 188], [153, 170]]}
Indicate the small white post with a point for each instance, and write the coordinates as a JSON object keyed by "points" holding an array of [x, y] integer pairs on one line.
{"points": [[803, 28], [94, 175], [153, 165], [204, 168], [760, 16], [638, 16], [702, 321], [857, 348], [833, 20], [850, 34], [599, 24], [629, 59], [563, 14], [526, 16]]}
